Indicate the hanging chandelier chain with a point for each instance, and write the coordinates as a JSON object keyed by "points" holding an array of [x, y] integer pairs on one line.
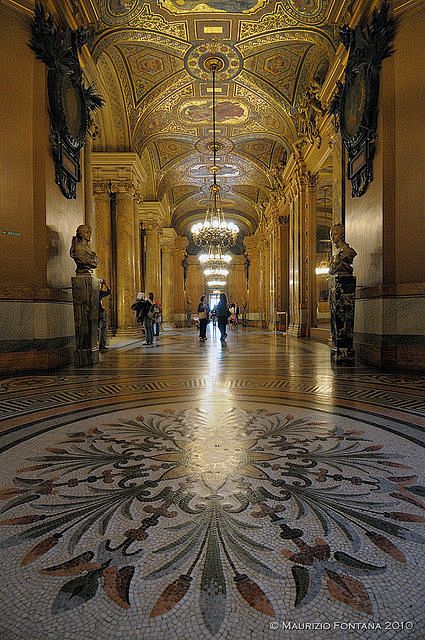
{"points": [[215, 233], [214, 122]]}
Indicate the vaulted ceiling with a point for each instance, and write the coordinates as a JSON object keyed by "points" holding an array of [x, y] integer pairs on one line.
{"points": [[151, 55]]}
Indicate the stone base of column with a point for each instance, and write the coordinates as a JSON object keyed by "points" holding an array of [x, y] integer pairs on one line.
{"points": [[297, 330], [85, 297], [342, 293], [180, 320]]}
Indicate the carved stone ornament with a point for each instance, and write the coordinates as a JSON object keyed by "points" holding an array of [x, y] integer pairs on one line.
{"points": [[309, 109], [70, 101], [355, 104]]}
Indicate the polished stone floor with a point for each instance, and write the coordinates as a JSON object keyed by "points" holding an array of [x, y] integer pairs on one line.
{"points": [[198, 491]]}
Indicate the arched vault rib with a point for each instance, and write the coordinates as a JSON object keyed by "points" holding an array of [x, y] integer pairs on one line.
{"points": [[174, 46], [116, 134]]}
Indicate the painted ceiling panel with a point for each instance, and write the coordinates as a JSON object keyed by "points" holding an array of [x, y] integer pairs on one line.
{"points": [[271, 51]]}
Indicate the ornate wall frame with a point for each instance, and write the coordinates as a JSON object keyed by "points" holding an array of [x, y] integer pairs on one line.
{"points": [[70, 101], [355, 104]]}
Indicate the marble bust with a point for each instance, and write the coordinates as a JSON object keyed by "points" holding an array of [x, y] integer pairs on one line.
{"points": [[342, 259], [85, 259]]}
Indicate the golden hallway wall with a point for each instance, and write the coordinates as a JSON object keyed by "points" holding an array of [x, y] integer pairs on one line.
{"points": [[386, 225], [36, 317]]}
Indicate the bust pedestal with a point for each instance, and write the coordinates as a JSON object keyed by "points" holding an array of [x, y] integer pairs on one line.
{"points": [[342, 292], [85, 296]]}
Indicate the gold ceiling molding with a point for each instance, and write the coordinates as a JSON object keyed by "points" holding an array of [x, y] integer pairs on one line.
{"points": [[141, 17], [181, 85], [130, 69], [156, 118], [173, 149], [270, 120], [316, 36], [167, 43], [212, 6], [115, 130], [279, 19]]}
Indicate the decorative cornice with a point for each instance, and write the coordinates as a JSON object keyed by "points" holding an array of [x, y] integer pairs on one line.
{"points": [[168, 238], [181, 243], [153, 212], [124, 187], [118, 166]]}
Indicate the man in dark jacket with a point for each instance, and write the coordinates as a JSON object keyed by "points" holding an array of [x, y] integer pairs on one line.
{"points": [[223, 313]]}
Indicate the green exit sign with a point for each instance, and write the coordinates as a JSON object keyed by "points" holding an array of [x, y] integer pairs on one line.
{"points": [[14, 234]]}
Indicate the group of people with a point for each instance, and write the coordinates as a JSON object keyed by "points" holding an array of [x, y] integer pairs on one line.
{"points": [[223, 311], [149, 314]]}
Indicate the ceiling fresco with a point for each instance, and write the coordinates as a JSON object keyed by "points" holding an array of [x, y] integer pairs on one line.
{"points": [[271, 52]]}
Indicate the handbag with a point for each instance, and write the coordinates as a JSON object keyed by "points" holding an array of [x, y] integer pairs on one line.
{"points": [[154, 312], [202, 315]]}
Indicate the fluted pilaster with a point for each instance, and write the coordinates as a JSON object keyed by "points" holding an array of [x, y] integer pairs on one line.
{"points": [[103, 230], [153, 259], [167, 274], [126, 286], [179, 297]]}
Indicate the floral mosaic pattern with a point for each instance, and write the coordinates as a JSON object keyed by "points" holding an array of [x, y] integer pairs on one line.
{"points": [[232, 494]]}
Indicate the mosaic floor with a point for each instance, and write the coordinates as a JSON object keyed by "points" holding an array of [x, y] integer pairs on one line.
{"points": [[199, 491]]}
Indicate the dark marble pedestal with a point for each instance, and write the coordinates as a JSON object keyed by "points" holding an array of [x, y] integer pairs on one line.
{"points": [[85, 297], [342, 290]]}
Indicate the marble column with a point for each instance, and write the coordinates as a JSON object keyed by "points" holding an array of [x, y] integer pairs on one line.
{"points": [[181, 243], [89, 207], [167, 273], [137, 256], [253, 279], [102, 206], [103, 229], [311, 225], [300, 276], [153, 258], [126, 286], [282, 279]]}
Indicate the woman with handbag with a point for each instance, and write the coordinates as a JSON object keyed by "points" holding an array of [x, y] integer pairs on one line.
{"points": [[203, 317]]}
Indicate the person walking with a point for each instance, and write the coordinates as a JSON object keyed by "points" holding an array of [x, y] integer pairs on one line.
{"points": [[158, 317], [222, 311], [203, 317], [149, 318], [137, 307]]}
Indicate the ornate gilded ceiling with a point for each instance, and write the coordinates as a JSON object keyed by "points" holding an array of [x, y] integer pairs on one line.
{"points": [[155, 52]]}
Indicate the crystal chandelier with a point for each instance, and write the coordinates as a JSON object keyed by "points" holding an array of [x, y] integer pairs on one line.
{"points": [[216, 283], [214, 233], [216, 272], [212, 259]]}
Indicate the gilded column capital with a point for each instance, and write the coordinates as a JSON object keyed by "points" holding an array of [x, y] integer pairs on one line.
{"points": [[168, 237], [124, 186], [312, 180], [251, 246], [181, 243], [101, 187], [151, 226]]}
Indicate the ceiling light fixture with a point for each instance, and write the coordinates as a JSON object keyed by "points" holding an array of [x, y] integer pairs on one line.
{"points": [[216, 283], [214, 233], [216, 272], [212, 259]]}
